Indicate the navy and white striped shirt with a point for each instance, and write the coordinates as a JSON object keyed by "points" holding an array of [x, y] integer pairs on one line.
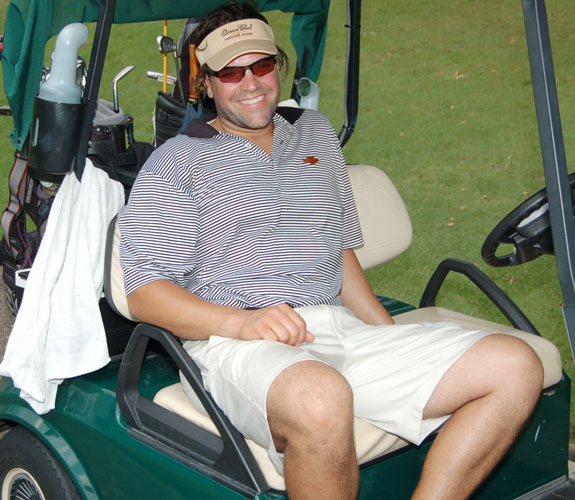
{"points": [[215, 214]]}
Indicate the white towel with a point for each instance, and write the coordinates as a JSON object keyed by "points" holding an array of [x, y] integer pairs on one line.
{"points": [[58, 332]]}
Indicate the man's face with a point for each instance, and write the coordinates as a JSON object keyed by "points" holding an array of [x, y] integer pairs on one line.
{"points": [[249, 104]]}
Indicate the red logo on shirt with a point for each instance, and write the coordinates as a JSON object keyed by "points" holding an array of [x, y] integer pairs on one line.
{"points": [[312, 160]]}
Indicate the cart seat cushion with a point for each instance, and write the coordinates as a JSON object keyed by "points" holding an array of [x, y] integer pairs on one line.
{"points": [[370, 441], [547, 352]]}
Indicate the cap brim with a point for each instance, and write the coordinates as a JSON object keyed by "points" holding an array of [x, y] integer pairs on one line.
{"points": [[223, 57]]}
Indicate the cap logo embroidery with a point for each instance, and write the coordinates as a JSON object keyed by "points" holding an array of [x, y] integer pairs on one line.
{"points": [[240, 27]]}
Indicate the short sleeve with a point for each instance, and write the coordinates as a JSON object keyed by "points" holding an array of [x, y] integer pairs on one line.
{"points": [[352, 235], [159, 229]]}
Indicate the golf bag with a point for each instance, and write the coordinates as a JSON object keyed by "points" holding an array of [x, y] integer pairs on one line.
{"points": [[112, 148]]}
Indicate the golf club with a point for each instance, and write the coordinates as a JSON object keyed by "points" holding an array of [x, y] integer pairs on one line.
{"points": [[123, 72], [159, 77], [165, 46]]}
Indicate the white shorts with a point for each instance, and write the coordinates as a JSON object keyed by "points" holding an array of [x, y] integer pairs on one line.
{"points": [[402, 364]]}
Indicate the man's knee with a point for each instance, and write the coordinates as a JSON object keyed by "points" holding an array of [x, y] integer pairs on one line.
{"points": [[312, 399], [498, 365], [521, 367], [515, 372]]}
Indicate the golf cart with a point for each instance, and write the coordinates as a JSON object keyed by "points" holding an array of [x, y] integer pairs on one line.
{"points": [[127, 429]]}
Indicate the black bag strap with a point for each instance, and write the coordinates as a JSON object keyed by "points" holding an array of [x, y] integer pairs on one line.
{"points": [[12, 225]]}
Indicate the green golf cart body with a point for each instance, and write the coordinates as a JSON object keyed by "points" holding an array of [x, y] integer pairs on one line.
{"points": [[107, 438]]}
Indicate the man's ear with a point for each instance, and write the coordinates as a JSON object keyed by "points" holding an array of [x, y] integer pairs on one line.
{"points": [[208, 87]]}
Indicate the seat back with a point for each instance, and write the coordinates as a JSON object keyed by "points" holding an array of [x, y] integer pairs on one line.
{"points": [[113, 275], [383, 217]]}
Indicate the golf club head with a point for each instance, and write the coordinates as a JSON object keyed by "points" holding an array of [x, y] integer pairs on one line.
{"points": [[159, 77], [166, 44], [122, 73], [81, 72]]}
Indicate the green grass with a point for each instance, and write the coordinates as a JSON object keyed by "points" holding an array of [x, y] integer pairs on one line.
{"points": [[446, 109]]}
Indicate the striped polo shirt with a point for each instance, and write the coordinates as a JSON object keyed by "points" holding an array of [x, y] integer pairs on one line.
{"points": [[213, 213]]}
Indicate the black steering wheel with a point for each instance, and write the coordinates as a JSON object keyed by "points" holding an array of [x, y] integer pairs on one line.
{"points": [[527, 227]]}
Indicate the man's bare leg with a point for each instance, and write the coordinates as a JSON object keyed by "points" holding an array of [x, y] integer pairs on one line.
{"points": [[491, 390], [310, 412]]}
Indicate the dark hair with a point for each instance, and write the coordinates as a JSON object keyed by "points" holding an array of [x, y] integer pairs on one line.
{"points": [[227, 13]]}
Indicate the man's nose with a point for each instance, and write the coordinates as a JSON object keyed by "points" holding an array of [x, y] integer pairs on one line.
{"points": [[249, 80]]}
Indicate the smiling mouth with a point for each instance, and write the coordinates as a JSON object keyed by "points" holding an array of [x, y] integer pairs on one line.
{"points": [[255, 100]]}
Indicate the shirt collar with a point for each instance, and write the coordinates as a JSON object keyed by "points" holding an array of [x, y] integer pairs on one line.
{"points": [[199, 128]]}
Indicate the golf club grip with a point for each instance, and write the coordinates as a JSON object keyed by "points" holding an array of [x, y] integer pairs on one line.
{"points": [[194, 70]]}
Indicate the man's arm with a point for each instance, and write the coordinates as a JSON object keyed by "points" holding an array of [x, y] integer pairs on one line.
{"points": [[356, 293], [174, 308]]}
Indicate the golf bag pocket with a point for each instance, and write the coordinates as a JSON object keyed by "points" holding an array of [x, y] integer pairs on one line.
{"points": [[169, 116], [54, 139]]}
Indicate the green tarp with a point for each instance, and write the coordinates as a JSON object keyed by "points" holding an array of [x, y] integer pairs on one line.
{"points": [[30, 23]]}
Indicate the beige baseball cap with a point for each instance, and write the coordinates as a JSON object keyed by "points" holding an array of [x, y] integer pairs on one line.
{"points": [[235, 39]]}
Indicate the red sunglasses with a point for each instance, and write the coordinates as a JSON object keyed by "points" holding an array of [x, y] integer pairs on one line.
{"points": [[234, 74]]}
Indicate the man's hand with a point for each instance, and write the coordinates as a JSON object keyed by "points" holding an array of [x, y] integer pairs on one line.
{"points": [[279, 323]]}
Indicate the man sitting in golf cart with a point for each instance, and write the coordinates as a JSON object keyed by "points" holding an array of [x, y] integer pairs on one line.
{"points": [[239, 237]]}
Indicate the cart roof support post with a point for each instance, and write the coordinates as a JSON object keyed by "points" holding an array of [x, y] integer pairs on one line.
{"points": [[553, 154]]}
